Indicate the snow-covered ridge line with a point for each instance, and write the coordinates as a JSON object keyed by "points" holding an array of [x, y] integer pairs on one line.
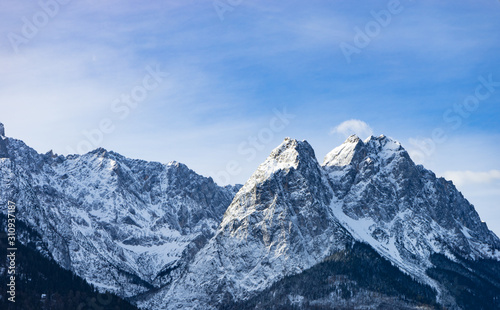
{"points": [[132, 225], [117, 222], [293, 213]]}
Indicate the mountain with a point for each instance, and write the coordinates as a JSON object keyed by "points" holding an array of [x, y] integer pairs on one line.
{"points": [[410, 216], [41, 284], [276, 225], [293, 214], [119, 223], [367, 229], [402, 209]]}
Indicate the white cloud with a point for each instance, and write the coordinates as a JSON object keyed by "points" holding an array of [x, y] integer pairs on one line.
{"points": [[353, 126], [472, 177]]}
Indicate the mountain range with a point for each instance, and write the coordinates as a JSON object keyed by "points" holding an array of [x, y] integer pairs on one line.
{"points": [[365, 229]]}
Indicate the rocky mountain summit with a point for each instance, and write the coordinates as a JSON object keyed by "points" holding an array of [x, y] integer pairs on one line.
{"points": [[293, 214], [117, 222], [400, 208], [367, 228]]}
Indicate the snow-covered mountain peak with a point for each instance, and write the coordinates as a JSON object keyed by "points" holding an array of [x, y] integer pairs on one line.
{"points": [[292, 151], [354, 151], [170, 238], [118, 222], [402, 209], [344, 154], [174, 163], [380, 137], [291, 159], [278, 224], [383, 143], [385, 151], [352, 139], [100, 152], [289, 154]]}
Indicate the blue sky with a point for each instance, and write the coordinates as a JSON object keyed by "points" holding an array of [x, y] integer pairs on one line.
{"points": [[229, 72]]}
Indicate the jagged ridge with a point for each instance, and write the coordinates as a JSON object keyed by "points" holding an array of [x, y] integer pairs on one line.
{"points": [[119, 223], [293, 213], [159, 233]]}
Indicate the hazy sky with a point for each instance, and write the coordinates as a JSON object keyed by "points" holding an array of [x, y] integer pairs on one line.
{"points": [[218, 84]]}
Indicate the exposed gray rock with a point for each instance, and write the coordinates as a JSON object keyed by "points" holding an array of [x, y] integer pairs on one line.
{"points": [[292, 213], [120, 223], [169, 238]]}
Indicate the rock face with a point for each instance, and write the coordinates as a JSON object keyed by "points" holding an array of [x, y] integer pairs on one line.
{"points": [[400, 208], [170, 239], [403, 211], [293, 213], [277, 225], [122, 224]]}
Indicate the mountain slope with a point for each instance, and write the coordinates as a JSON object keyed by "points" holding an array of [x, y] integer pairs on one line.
{"points": [[42, 284], [403, 210], [121, 224], [277, 225], [167, 238], [357, 277], [293, 213]]}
